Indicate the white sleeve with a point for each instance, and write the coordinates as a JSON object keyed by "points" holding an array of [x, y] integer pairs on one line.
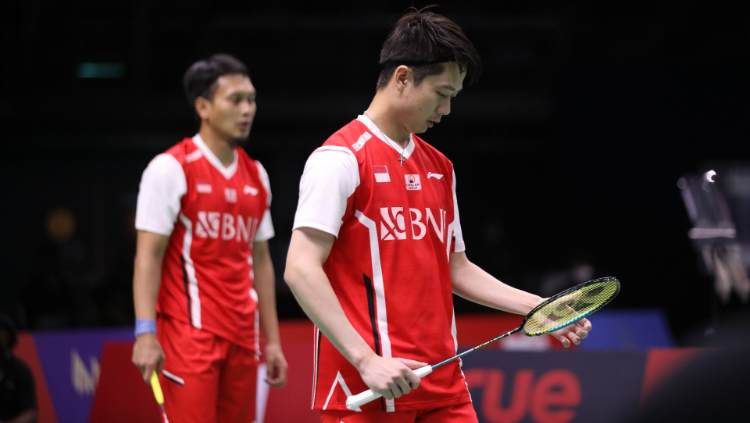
{"points": [[162, 186], [460, 246], [330, 177], [265, 229]]}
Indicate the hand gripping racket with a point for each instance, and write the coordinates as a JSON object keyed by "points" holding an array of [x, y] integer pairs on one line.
{"points": [[159, 395], [556, 312]]}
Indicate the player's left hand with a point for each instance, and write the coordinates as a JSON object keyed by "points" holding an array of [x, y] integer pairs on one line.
{"points": [[276, 366], [574, 333]]}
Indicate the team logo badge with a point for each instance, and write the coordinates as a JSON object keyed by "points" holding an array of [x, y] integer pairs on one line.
{"points": [[413, 182]]}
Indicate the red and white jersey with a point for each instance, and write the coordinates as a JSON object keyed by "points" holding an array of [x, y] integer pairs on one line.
{"points": [[395, 216], [212, 214]]}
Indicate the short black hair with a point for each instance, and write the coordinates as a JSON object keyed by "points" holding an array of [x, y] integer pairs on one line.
{"points": [[425, 40], [200, 78]]}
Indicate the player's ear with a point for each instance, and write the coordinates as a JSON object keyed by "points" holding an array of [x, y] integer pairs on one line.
{"points": [[202, 107], [401, 76]]}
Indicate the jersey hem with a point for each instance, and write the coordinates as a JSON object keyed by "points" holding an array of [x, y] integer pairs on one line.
{"points": [[224, 336]]}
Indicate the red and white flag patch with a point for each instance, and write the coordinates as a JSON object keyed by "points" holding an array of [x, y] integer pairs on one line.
{"points": [[381, 173]]}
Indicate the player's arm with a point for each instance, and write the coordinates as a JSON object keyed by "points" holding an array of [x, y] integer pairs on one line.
{"points": [[265, 280], [162, 185], [308, 250], [150, 247], [474, 284]]}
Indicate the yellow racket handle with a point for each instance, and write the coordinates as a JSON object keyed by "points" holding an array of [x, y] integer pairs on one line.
{"points": [[156, 387]]}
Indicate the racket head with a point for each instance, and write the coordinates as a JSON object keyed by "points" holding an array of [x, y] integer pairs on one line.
{"points": [[570, 305]]}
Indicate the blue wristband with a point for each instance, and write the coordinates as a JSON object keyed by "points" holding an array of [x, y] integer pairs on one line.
{"points": [[144, 326]]}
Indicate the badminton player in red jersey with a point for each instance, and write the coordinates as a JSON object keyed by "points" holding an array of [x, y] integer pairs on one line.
{"points": [[377, 251], [203, 281]]}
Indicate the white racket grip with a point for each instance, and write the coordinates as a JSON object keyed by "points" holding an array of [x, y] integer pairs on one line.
{"points": [[355, 401], [423, 371]]}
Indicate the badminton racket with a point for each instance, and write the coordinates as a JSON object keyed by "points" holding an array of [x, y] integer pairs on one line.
{"points": [[159, 395], [556, 312]]}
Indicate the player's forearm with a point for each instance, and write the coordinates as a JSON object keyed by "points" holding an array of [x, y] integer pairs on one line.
{"points": [[476, 285], [265, 287], [146, 282], [313, 292], [150, 248]]}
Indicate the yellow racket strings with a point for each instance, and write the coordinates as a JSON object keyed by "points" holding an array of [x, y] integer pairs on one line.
{"points": [[571, 306]]}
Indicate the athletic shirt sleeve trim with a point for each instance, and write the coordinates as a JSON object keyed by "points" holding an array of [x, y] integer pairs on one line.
{"points": [[265, 229], [460, 246], [330, 177], [161, 189]]}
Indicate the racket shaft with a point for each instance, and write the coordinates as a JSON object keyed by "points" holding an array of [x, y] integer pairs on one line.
{"points": [[355, 401], [472, 349]]}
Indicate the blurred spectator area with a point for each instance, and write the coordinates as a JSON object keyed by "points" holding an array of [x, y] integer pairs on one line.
{"points": [[717, 201], [566, 151]]}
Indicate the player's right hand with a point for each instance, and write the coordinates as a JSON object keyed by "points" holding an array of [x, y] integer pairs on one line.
{"points": [[390, 377], [147, 355]]}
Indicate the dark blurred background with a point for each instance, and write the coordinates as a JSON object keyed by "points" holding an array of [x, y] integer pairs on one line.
{"points": [[567, 151]]}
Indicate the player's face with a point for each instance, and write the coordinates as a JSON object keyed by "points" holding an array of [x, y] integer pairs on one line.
{"points": [[429, 101], [231, 111]]}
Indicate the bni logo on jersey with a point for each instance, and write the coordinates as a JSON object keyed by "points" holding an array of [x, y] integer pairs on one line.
{"points": [[412, 182]]}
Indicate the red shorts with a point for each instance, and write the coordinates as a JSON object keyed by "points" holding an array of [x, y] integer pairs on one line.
{"points": [[205, 378], [457, 413]]}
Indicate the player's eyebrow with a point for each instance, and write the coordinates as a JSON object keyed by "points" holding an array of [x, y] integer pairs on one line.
{"points": [[453, 90], [244, 93]]}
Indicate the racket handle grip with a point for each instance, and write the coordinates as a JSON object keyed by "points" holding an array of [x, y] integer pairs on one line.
{"points": [[355, 401], [156, 388]]}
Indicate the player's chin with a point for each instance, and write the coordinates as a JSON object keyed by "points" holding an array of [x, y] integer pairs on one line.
{"points": [[422, 129], [241, 136]]}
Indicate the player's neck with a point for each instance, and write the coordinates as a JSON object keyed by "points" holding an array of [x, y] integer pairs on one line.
{"points": [[383, 117], [223, 149]]}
